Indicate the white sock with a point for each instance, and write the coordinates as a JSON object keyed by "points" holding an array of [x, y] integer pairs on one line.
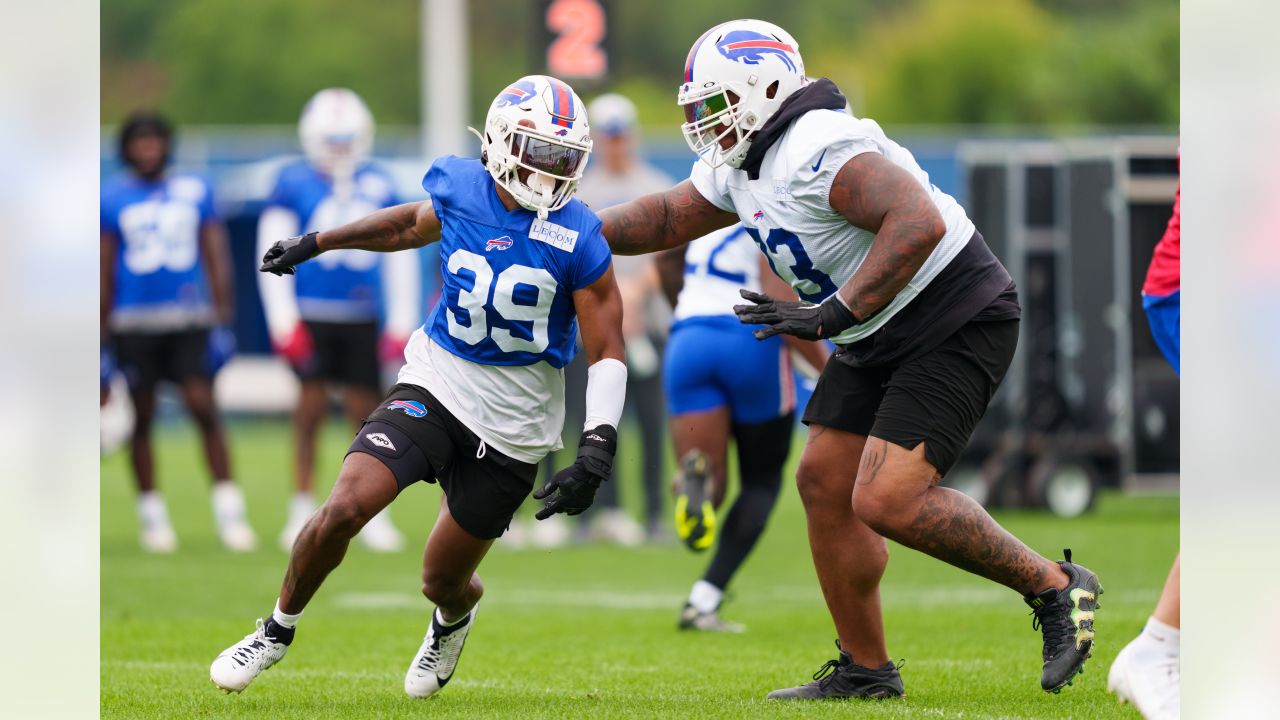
{"points": [[448, 622], [152, 510], [283, 619], [228, 503], [705, 597], [1158, 634]]}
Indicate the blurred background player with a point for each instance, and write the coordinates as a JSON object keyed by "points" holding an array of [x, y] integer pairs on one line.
{"points": [[618, 174], [1147, 672], [751, 398], [325, 322], [165, 307]]}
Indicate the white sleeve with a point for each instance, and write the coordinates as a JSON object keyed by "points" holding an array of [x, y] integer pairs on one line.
{"points": [[402, 292], [712, 184], [606, 392], [279, 300]]}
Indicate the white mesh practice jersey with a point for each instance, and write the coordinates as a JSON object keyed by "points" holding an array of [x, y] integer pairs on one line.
{"points": [[716, 266], [788, 215]]}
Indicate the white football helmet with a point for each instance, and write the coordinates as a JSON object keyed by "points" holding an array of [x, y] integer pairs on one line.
{"points": [[336, 130], [737, 75], [536, 142]]}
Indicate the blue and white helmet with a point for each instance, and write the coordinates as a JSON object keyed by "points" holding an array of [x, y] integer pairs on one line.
{"points": [[336, 130], [536, 142], [737, 75]]}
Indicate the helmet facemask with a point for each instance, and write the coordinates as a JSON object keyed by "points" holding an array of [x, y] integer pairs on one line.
{"points": [[713, 114], [540, 171]]}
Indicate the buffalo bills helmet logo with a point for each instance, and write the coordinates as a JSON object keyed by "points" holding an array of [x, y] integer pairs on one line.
{"points": [[412, 408], [516, 93], [749, 47]]}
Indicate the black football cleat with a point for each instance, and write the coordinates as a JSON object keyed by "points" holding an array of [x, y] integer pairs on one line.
{"points": [[841, 679], [1065, 617], [695, 515]]}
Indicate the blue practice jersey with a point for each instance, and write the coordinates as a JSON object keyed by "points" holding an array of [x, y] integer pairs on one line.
{"points": [[159, 277], [340, 285], [508, 277]]}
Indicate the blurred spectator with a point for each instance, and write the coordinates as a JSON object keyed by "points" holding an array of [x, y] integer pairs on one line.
{"points": [[165, 310], [325, 320], [616, 175]]}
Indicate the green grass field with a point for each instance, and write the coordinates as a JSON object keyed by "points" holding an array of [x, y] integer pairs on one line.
{"points": [[587, 631]]}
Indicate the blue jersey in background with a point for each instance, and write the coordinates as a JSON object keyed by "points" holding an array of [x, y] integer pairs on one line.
{"points": [[508, 277], [340, 285], [160, 284]]}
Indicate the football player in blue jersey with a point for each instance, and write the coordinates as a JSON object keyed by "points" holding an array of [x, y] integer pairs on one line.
{"points": [[481, 398], [326, 321], [751, 399], [165, 307]]}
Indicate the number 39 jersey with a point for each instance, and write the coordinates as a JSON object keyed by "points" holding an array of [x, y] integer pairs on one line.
{"points": [[787, 211], [504, 326], [159, 279]]}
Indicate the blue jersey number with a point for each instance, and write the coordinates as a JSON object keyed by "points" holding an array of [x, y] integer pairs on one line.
{"points": [[789, 259], [712, 269], [490, 293]]}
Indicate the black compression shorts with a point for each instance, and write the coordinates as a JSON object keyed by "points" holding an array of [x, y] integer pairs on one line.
{"points": [[936, 398], [418, 439]]}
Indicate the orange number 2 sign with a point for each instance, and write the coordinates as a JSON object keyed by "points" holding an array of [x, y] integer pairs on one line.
{"points": [[578, 26]]}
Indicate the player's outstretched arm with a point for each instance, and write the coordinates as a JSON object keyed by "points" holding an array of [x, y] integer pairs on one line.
{"points": [[599, 309], [662, 220], [873, 193], [401, 227]]}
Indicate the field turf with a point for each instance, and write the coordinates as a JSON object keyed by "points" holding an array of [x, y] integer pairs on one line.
{"points": [[586, 631]]}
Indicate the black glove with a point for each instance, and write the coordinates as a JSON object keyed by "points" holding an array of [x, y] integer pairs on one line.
{"points": [[804, 320], [285, 254], [574, 488]]}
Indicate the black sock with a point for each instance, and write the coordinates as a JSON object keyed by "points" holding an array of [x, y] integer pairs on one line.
{"points": [[762, 451], [276, 632]]}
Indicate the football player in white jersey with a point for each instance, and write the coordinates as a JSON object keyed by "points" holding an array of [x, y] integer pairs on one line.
{"points": [[480, 400], [924, 317], [751, 399]]}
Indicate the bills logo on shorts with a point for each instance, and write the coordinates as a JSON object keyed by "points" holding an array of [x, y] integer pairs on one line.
{"points": [[749, 48], [502, 243], [412, 408]]}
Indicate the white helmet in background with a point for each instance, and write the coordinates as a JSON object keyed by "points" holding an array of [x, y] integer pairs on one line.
{"points": [[737, 75], [536, 142], [336, 130]]}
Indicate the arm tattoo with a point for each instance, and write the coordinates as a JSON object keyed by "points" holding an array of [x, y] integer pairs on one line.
{"points": [[386, 230], [873, 193], [661, 221]]}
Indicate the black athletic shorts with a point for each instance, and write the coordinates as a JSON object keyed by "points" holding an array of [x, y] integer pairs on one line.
{"points": [[936, 398], [418, 439], [345, 353], [147, 358]]}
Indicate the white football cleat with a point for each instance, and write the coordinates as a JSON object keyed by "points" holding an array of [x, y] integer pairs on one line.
{"points": [[616, 526], [553, 532], [159, 539], [237, 536], [379, 535], [1148, 676], [438, 657], [239, 664]]}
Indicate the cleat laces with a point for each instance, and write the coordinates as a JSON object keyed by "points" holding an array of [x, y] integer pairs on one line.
{"points": [[251, 652], [1056, 626]]}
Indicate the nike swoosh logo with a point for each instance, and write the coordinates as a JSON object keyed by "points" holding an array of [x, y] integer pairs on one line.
{"points": [[817, 164]]}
